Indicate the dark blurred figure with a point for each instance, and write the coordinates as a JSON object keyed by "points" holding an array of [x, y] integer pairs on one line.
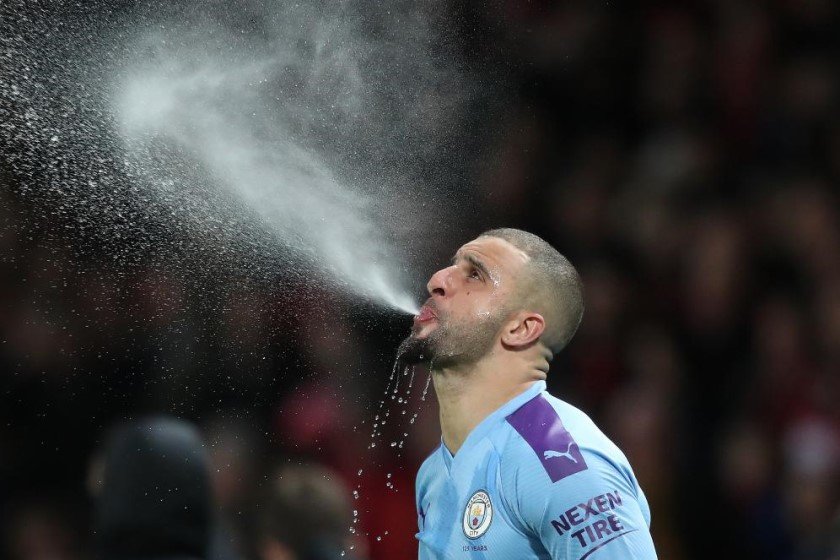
{"points": [[835, 538], [307, 516], [154, 495]]}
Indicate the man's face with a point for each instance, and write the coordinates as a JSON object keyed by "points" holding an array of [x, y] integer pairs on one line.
{"points": [[468, 303]]}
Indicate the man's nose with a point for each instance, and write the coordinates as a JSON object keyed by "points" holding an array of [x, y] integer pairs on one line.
{"points": [[440, 284]]}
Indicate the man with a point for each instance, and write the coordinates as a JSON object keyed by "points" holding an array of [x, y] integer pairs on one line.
{"points": [[153, 494], [306, 516], [519, 473]]}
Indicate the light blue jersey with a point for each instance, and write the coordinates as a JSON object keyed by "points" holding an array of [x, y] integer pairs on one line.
{"points": [[535, 479]]}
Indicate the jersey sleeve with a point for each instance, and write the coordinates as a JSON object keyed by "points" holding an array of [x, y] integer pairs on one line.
{"points": [[579, 505]]}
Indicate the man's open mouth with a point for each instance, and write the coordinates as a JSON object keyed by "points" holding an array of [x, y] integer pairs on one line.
{"points": [[426, 314]]}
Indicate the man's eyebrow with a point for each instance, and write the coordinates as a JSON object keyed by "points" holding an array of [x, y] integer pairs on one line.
{"points": [[473, 260]]}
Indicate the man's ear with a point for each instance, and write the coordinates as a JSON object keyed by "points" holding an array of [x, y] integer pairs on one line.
{"points": [[523, 330]]}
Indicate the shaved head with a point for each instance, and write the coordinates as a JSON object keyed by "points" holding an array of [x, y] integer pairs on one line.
{"points": [[548, 285]]}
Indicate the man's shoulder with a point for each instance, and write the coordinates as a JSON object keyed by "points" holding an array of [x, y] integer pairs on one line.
{"points": [[552, 436], [431, 465]]}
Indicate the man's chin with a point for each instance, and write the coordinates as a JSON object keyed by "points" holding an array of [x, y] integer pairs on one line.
{"points": [[414, 350]]}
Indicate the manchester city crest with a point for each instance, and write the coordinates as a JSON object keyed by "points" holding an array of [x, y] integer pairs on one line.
{"points": [[478, 515]]}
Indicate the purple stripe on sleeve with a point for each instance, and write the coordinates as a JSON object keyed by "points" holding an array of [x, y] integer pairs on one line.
{"points": [[538, 424]]}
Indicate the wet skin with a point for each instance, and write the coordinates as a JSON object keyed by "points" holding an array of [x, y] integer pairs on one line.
{"points": [[483, 275]]}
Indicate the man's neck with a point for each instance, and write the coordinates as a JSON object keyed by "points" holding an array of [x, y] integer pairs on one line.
{"points": [[468, 395]]}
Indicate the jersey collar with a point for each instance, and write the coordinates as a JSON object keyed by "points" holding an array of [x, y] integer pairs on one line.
{"points": [[491, 421]]}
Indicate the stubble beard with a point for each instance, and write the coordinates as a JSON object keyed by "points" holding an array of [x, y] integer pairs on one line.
{"points": [[450, 345], [414, 350]]}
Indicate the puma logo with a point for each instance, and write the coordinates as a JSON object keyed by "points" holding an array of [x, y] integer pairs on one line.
{"points": [[550, 454]]}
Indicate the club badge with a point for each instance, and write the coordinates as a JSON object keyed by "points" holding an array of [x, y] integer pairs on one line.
{"points": [[478, 515]]}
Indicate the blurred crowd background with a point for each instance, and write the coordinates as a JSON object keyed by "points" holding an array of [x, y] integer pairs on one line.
{"points": [[686, 159]]}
